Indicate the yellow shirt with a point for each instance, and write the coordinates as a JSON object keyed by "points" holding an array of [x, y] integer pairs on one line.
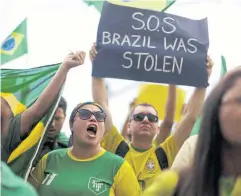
{"points": [[166, 183], [145, 164]]}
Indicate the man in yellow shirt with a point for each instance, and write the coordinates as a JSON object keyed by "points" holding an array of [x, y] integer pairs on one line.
{"points": [[146, 159], [166, 124]]}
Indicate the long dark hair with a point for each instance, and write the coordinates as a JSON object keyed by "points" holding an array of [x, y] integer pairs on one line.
{"points": [[202, 179]]}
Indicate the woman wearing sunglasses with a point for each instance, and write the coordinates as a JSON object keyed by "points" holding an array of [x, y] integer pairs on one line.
{"points": [[86, 168], [216, 169]]}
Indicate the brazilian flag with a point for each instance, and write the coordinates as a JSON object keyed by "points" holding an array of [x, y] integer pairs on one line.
{"points": [[156, 5], [197, 124], [21, 88], [15, 45]]}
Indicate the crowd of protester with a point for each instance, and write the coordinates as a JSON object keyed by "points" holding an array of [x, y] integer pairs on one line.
{"points": [[145, 158]]}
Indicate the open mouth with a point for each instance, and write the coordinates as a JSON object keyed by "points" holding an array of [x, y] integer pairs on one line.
{"points": [[51, 130], [92, 130]]}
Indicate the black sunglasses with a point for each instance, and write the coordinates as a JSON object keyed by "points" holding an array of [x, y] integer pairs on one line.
{"points": [[140, 117], [86, 114]]}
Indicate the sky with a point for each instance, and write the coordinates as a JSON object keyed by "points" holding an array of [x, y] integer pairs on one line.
{"points": [[56, 27]]}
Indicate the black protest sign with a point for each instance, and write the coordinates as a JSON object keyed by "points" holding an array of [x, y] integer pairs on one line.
{"points": [[145, 45]]}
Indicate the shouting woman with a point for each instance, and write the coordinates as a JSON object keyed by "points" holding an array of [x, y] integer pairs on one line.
{"points": [[86, 168]]}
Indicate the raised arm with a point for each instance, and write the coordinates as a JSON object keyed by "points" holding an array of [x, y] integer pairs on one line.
{"points": [[99, 92], [124, 131], [193, 109], [37, 111], [166, 125]]}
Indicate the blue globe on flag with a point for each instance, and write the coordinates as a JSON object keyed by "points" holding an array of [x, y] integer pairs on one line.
{"points": [[9, 44]]}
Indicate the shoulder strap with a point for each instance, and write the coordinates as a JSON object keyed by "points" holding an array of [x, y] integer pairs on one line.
{"points": [[162, 158], [122, 149]]}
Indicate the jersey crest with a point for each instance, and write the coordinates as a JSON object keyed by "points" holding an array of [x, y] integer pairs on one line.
{"points": [[97, 186], [150, 164]]}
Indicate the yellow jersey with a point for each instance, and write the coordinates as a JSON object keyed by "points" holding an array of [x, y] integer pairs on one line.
{"points": [[145, 164]]}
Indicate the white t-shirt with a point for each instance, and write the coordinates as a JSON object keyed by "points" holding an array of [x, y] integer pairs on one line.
{"points": [[185, 155]]}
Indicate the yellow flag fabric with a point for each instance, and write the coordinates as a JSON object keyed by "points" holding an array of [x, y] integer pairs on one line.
{"points": [[155, 5], [17, 107], [157, 96], [21, 88]]}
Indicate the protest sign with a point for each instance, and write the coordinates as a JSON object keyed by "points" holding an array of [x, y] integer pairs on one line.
{"points": [[144, 45]]}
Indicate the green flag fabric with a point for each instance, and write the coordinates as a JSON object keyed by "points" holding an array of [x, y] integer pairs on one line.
{"points": [[21, 88], [97, 4], [15, 45], [197, 124], [62, 139], [196, 127], [224, 67], [158, 5]]}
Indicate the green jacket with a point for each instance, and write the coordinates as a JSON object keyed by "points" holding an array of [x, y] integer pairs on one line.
{"points": [[62, 139], [12, 185]]}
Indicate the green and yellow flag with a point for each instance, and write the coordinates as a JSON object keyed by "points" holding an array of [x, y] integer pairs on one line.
{"points": [[197, 124], [156, 5], [21, 88], [97, 4], [15, 45]]}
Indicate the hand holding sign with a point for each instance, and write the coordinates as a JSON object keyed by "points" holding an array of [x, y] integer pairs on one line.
{"points": [[209, 66], [93, 52], [145, 45]]}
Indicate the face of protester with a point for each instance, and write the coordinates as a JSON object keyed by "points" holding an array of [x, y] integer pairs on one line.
{"points": [[143, 123], [230, 114], [57, 123], [88, 126]]}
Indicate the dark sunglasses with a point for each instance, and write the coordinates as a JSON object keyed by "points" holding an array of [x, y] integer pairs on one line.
{"points": [[140, 117], [86, 114]]}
